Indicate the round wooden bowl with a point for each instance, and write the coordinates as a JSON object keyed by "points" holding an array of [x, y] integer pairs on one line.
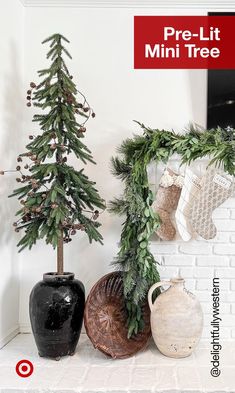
{"points": [[105, 319]]}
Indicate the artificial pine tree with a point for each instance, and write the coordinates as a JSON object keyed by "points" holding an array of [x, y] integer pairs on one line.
{"points": [[57, 200]]}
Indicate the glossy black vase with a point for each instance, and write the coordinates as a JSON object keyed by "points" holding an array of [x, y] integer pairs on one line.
{"points": [[56, 310]]}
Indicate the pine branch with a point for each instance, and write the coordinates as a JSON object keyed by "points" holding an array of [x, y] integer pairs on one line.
{"points": [[56, 200]]}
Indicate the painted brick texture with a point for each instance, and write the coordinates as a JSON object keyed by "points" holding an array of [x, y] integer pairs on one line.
{"points": [[198, 261]]}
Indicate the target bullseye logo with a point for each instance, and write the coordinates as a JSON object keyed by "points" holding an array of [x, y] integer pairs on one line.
{"points": [[24, 368]]}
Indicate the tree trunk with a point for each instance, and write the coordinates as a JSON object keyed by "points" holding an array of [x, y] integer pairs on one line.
{"points": [[60, 246], [60, 255]]}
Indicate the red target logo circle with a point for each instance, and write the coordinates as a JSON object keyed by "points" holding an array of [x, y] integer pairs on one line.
{"points": [[24, 368]]}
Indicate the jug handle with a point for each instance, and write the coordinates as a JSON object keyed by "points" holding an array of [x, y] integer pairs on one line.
{"points": [[153, 287]]}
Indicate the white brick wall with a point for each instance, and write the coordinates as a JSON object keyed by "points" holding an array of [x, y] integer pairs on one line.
{"points": [[198, 261]]}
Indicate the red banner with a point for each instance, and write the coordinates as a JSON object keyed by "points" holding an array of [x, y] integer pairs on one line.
{"points": [[206, 42]]}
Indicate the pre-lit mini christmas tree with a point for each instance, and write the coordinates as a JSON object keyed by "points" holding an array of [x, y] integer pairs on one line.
{"points": [[57, 200]]}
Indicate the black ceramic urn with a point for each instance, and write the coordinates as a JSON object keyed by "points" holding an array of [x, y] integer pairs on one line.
{"points": [[56, 310]]}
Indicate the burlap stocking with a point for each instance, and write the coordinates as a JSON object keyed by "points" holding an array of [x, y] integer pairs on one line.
{"points": [[216, 188], [166, 201]]}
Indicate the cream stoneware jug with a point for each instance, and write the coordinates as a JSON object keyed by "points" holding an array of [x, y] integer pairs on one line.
{"points": [[176, 319]]}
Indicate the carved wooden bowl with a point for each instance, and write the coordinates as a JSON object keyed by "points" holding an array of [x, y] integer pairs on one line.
{"points": [[105, 319]]}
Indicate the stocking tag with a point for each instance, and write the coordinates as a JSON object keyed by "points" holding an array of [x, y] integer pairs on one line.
{"points": [[222, 181], [196, 181]]}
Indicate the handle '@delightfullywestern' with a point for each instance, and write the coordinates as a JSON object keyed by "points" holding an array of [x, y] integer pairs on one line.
{"points": [[152, 289]]}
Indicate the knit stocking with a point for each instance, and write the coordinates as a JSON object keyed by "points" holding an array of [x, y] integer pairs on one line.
{"points": [[189, 191], [216, 188]]}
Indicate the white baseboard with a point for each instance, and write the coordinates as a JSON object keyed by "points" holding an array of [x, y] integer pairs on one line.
{"points": [[12, 333], [25, 328]]}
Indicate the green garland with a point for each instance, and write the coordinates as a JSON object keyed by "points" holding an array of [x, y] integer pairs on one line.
{"points": [[134, 257]]}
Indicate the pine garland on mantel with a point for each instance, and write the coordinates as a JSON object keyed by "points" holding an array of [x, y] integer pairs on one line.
{"points": [[134, 258]]}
